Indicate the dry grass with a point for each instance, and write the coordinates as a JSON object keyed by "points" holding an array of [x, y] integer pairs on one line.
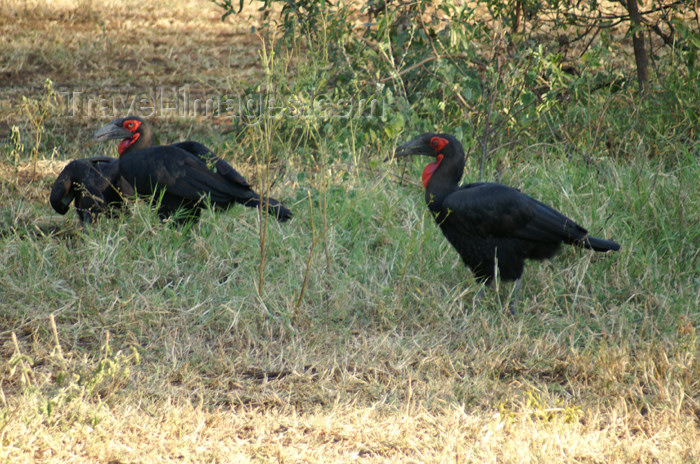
{"points": [[377, 396], [107, 48], [133, 342]]}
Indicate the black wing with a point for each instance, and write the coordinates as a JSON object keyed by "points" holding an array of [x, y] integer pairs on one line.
{"points": [[228, 172], [217, 164], [183, 174], [495, 210]]}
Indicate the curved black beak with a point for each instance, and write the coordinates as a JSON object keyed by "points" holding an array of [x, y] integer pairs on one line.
{"points": [[111, 131], [417, 146]]}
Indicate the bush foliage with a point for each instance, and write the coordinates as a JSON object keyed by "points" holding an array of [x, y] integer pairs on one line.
{"points": [[497, 74]]}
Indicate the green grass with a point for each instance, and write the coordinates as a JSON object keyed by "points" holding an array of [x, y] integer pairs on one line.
{"points": [[386, 324], [134, 341]]}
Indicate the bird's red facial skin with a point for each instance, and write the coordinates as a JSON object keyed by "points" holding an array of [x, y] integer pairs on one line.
{"points": [[126, 143], [431, 168], [438, 143], [132, 125]]}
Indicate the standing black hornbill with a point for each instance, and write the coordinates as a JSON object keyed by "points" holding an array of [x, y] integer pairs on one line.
{"points": [[182, 175], [93, 184], [491, 224]]}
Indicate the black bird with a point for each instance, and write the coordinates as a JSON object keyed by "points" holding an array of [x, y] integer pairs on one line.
{"points": [[491, 224], [182, 175], [93, 184]]}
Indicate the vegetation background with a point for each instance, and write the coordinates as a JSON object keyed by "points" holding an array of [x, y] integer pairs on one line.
{"points": [[349, 334]]}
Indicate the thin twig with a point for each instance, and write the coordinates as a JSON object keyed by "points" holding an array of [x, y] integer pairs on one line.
{"points": [[308, 260], [54, 331]]}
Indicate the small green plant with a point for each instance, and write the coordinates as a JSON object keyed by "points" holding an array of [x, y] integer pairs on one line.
{"points": [[36, 112], [17, 151]]}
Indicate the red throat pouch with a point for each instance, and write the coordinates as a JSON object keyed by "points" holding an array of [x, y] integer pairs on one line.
{"points": [[126, 143], [430, 170]]}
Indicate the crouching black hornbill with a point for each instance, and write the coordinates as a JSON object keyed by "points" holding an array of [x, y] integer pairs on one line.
{"points": [[491, 224], [93, 184], [182, 175]]}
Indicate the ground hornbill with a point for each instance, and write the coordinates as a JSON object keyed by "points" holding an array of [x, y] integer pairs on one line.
{"points": [[93, 184], [180, 176], [491, 225]]}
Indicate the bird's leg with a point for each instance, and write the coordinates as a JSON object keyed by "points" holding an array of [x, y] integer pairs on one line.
{"points": [[515, 296]]}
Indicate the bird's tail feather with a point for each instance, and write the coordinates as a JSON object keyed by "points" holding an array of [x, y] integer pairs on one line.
{"points": [[599, 244], [274, 207]]}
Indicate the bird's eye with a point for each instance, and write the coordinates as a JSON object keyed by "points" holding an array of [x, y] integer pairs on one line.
{"points": [[129, 125], [435, 143]]}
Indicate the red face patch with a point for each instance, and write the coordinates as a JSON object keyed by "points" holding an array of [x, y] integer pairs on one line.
{"points": [[438, 143], [430, 169], [126, 143], [132, 125]]}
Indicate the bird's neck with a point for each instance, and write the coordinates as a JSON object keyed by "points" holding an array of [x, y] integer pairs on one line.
{"points": [[145, 140], [444, 180]]}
